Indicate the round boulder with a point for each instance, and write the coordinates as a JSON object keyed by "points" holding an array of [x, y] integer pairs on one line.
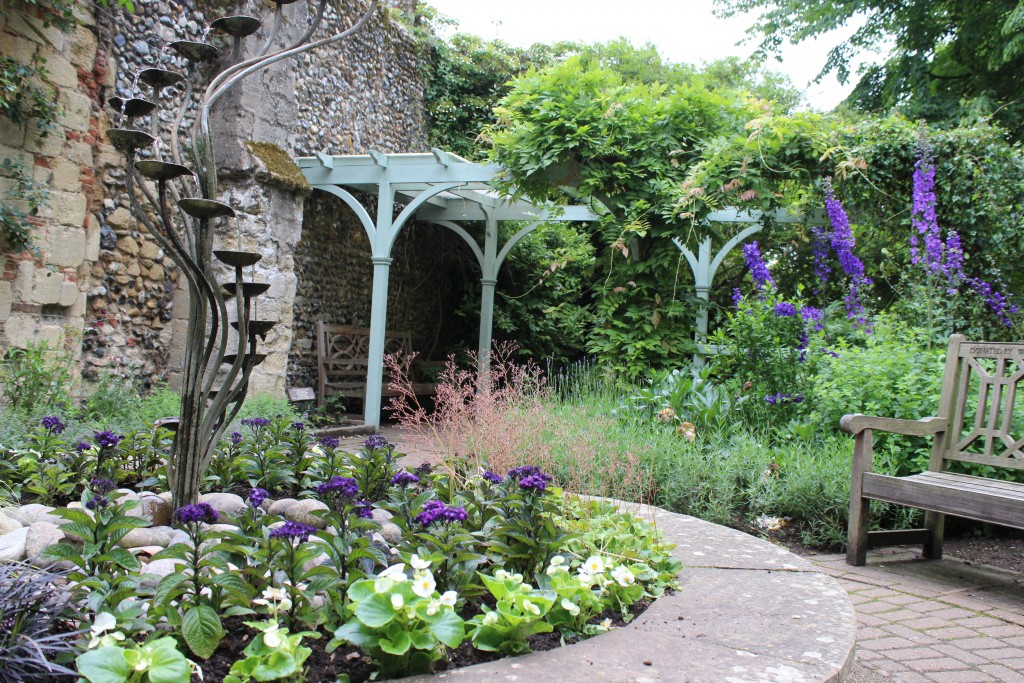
{"points": [[40, 536], [154, 508], [139, 538], [279, 507], [229, 504], [8, 524], [302, 512], [12, 545]]}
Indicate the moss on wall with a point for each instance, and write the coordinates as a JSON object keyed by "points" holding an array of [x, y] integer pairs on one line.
{"points": [[280, 168]]}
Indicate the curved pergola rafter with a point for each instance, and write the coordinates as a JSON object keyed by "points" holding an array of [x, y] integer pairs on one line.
{"points": [[438, 187]]}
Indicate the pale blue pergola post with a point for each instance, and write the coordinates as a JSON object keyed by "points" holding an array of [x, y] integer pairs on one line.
{"points": [[381, 258]]}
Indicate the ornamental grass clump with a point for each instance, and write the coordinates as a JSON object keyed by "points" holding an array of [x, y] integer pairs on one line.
{"points": [[38, 624]]}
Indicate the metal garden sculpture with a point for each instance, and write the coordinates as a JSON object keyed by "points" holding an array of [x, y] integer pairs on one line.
{"points": [[216, 369]]}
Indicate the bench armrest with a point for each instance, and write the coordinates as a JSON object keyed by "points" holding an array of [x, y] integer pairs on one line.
{"points": [[855, 424]]}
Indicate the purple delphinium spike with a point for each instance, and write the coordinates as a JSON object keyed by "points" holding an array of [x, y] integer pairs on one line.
{"points": [[758, 268], [843, 242], [822, 270], [784, 309]]}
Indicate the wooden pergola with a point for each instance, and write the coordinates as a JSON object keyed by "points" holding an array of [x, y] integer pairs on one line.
{"points": [[438, 187]]}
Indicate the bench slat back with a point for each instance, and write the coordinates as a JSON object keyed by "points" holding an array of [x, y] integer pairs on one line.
{"points": [[979, 394], [344, 349]]}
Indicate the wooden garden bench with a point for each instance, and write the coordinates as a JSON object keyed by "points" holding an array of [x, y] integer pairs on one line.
{"points": [[342, 359], [978, 431]]}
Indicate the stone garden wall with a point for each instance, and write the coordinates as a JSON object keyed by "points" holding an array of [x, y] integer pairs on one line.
{"points": [[43, 293], [97, 274]]}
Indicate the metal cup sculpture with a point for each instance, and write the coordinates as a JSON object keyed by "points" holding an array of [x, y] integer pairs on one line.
{"points": [[181, 217]]}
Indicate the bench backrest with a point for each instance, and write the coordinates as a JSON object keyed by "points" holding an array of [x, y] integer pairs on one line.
{"points": [[345, 351], [979, 393]]}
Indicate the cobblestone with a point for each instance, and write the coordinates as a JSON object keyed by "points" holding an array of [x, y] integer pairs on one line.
{"points": [[921, 621]]}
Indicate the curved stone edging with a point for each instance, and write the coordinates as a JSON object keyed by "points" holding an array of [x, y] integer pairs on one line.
{"points": [[748, 611]]}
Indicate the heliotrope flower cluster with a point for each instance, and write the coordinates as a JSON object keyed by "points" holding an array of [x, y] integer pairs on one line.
{"points": [[257, 496], [436, 512], [492, 477], [107, 439], [404, 479], [83, 446], [101, 486], [236, 438], [53, 425], [342, 486], [375, 441], [520, 473], [364, 509], [298, 426], [329, 442], [196, 513], [97, 502], [293, 531], [534, 483]]}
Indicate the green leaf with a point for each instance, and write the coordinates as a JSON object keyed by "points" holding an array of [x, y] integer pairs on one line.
{"points": [[355, 633], [168, 588], [124, 558], [450, 629], [376, 611], [275, 666], [398, 643], [201, 628], [104, 665], [168, 665], [61, 551]]}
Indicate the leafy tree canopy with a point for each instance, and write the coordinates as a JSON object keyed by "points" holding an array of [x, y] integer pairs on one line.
{"points": [[951, 60]]}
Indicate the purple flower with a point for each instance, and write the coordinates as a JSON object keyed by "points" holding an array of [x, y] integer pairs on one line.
{"points": [[375, 441], [779, 399], [784, 309], [757, 266], [737, 297], [518, 473], [257, 496], [436, 512], [102, 485], [298, 426], [107, 439], [829, 352], [236, 438], [195, 513], [810, 314], [364, 509], [820, 251], [293, 531], [404, 479], [343, 486], [83, 446], [533, 483], [97, 502], [256, 424], [843, 242], [53, 425], [329, 442], [424, 470], [491, 477]]}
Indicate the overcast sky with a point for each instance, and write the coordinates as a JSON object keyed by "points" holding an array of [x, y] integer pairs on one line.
{"points": [[682, 30]]}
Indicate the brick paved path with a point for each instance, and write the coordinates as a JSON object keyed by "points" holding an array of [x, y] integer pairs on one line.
{"points": [[933, 622]]}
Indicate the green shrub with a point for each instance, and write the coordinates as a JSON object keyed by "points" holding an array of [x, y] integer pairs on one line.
{"points": [[268, 406], [36, 378]]}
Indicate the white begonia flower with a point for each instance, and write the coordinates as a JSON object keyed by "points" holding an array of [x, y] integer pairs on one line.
{"points": [[432, 607], [501, 575], [554, 569], [557, 560], [448, 598], [315, 448], [585, 578], [531, 608], [423, 585], [594, 565], [570, 607], [274, 593], [271, 637], [395, 572], [104, 621], [382, 584], [397, 601], [607, 623], [417, 563], [490, 619], [623, 576]]}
